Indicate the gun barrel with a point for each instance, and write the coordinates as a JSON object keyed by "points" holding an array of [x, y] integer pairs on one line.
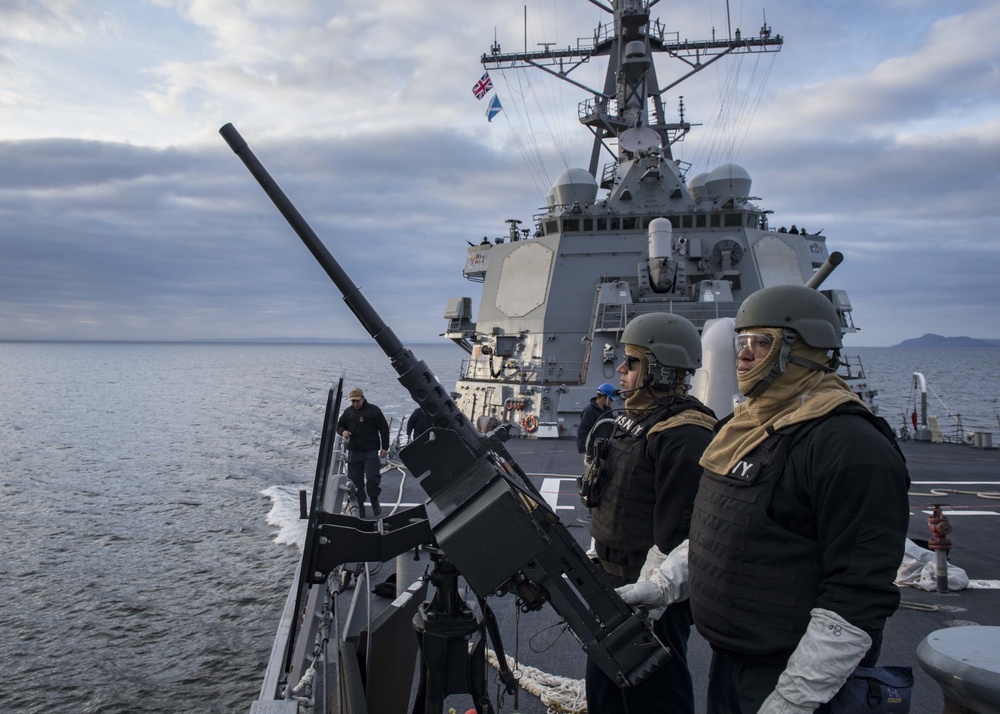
{"points": [[473, 503], [835, 259], [414, 374]]}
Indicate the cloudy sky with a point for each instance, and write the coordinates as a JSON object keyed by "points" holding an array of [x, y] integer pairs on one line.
{"points": [[123, 214]]}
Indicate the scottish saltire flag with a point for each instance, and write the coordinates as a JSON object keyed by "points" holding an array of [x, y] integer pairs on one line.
{"points": [[483, 86], [494, 108]]}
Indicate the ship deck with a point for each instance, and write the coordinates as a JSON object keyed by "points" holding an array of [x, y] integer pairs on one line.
{"points": [[963, 476], [958, 474]]}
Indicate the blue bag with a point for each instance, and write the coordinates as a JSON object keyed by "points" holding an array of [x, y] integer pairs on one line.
{"points": [[873, 689]]}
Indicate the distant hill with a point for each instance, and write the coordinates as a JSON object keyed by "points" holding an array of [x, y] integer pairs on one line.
{"points": [[932, 340]]}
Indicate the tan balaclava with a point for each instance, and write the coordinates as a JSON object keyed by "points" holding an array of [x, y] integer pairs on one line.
{"points": [[641, 399], [799, 394]]}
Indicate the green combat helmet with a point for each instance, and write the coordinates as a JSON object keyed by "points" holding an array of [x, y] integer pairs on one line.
{"points": [[796, 310], [793, 307], [671, 342]]}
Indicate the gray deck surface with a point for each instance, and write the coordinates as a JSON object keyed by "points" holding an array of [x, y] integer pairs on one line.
{"points": [[553, 466]]}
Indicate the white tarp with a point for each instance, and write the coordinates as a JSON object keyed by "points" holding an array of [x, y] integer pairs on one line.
{"points": [[919, 570]]}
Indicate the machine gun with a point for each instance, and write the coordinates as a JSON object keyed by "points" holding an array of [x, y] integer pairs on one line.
{"points": [[483, 512]]}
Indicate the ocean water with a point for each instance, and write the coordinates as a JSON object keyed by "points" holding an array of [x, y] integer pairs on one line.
{"points": [[149, 504], [144, 488], [962, 387]]}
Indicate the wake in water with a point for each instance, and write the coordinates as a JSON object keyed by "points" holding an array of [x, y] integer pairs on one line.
{"points": [[284, 515]]}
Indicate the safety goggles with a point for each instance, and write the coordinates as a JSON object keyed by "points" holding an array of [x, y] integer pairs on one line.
{"points": [[758, 344]]}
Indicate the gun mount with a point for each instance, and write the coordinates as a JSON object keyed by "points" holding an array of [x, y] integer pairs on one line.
{"points": [[483, 511]]}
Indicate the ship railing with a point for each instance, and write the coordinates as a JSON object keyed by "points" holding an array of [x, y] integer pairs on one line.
{"points": [[697, 312], [978, 431], [533, 372], [596, 106], [610, 173], [655, 29], [547, 57]]}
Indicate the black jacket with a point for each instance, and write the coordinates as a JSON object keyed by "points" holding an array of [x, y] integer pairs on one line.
{"points": [[417, 424], [588, 417], [367, 426], [816, 516]]}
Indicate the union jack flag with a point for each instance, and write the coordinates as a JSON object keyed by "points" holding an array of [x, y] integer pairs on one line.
{"points": [[484, 85]]}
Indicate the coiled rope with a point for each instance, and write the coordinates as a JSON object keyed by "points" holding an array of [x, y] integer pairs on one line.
{"points": [[561, 695], [945, 491]]}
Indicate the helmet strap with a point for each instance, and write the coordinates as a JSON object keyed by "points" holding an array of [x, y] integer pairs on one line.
{"points": [[655, 373], [663, 377], [815, 366]]}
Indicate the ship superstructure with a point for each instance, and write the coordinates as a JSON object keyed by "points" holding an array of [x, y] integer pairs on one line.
{"points": [[615, 241]]}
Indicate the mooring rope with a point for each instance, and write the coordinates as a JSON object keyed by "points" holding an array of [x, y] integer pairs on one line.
{"points": [[562, 695], [945, 491]]}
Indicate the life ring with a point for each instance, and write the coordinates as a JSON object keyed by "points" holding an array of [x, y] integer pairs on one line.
{"points": [[530, 423]]}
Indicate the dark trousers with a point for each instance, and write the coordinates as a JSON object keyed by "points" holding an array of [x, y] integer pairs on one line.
{"points": [[738, 686], [363, 466], [735, 687], [667, 690]]}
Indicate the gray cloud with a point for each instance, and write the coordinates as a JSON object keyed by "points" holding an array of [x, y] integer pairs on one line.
{"points": [[141, 224], [179, 232]]}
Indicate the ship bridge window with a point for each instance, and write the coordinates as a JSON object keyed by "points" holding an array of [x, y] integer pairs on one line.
{"points": [[734, 220], [753, 220], [551, 227], [602, 224], [716, 220], [571, 225], [687, 221], [629, 223], [588, 224], [700, 220]]}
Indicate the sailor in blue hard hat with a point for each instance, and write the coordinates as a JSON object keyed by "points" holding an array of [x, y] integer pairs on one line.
{"points": [[600, 405]]}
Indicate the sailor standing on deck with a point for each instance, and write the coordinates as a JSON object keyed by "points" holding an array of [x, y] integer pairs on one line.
{"points": [[651, 462], [367, 433], [799, 524], [599, 406]]}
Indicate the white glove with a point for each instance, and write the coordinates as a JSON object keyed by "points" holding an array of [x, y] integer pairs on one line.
{"points": [[777, 704], [662, 581], [826, 655]]}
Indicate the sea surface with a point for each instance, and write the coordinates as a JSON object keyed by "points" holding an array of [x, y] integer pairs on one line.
{"points": [[149, 504], [962, 387]]}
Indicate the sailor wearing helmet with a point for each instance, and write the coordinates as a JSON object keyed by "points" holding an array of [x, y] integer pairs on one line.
{"points": [[799, 523], [651, 462]]}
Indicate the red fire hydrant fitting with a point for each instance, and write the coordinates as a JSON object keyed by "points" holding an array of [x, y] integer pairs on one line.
{"points": [[940, 528]]}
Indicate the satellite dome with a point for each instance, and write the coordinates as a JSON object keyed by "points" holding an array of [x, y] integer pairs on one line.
{"points": [[697, 185], [728, 180], [574, 186]]}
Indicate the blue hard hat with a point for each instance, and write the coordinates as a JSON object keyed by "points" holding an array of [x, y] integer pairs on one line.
{"points": [[607, 390]]}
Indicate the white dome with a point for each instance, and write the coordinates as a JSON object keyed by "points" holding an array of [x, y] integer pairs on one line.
{"points": [[697, 185], [728, 180], [574, 186]]}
